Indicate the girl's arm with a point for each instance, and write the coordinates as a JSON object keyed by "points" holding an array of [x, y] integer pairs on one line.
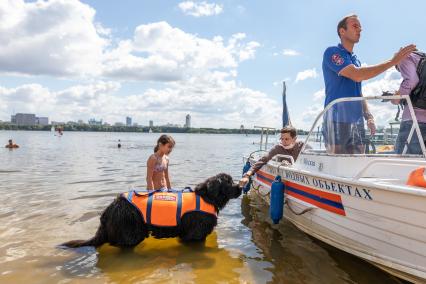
{"points": [[166, 173], [150, 173]]}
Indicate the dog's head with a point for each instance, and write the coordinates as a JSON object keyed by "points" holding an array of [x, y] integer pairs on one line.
{"points": [[217, 190]]}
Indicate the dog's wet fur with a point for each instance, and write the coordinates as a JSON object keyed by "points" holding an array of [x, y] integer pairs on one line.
{"points": [[122, 224]]}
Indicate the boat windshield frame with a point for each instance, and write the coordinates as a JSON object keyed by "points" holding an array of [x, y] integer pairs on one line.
{"points": [[414, 128]]}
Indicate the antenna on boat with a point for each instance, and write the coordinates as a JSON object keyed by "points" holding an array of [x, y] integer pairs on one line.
{"points": [[286, 115]]}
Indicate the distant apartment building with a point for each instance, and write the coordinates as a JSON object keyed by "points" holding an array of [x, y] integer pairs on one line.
{"points": [[188, 121], [128, 121], [151, 123], [23, 119], [42, 120], [93, 121], [28, 119]]}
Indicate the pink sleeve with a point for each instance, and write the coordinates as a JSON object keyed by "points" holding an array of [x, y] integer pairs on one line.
{"points": [[407, 67]]}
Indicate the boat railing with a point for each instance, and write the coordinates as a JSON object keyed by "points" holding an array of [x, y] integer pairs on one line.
{"points": [[281, 157], [252, 154], [388, 162], [264, 132], [415, 130]]}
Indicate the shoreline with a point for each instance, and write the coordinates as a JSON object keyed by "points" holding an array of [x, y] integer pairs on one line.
{"points": [[138, 129]]}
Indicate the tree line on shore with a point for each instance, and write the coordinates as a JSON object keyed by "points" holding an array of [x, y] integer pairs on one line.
{"points": [[114, 128]]}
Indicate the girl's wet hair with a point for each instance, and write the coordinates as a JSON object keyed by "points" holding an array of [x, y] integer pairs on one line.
{"points": [[164, 139]]}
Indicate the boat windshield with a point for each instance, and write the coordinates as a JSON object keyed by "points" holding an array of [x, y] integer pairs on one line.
{"points": [[344, 128]]}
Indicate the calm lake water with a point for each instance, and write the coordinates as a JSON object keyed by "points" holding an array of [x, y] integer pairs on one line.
{"points": [[53, 189]]}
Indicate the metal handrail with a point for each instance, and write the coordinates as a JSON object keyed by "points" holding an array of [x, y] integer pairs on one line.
{"points": [[274, 158], [388, 162], [266, 129], [353, 99]]}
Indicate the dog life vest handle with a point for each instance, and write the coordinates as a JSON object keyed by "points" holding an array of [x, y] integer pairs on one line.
{"points": [[197, 202], [179, 207]]}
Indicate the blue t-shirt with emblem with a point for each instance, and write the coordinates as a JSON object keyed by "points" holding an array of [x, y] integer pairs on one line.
{"points": [[335, 59]]}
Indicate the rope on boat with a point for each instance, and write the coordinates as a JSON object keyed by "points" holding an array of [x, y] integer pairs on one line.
{"points": [[258, 191], [296, 213]]}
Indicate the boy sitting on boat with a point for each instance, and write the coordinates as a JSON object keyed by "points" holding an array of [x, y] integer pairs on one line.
{"points": [[287, 146]]}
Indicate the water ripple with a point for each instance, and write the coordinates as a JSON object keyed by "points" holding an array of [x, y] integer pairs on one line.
{"points": [[94, 196], [90, 181]]}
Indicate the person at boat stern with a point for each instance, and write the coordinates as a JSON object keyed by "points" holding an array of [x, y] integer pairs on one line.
{"points": [[413, 73], [343, 127], [287, 146], [157, 172]]}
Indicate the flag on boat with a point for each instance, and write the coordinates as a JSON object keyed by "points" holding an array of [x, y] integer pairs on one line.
{"points": [[286, 115]]}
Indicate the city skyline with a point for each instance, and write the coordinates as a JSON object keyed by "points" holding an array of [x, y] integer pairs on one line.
{"points": [[32, 119]]}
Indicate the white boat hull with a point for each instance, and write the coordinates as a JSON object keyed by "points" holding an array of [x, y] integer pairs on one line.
{"points": [[384, 226]]}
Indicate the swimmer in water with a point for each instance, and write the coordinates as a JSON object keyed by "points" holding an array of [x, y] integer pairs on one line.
{"points": [[11, 145]]}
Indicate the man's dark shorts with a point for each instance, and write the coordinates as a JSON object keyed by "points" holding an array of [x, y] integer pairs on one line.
{"points": [[348, 136]]}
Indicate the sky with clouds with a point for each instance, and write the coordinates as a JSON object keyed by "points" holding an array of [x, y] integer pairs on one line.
{"points": [[223, 62]]}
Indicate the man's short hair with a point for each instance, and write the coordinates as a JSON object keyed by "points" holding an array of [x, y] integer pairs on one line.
{"points": [[289, 129], [342, 23]]}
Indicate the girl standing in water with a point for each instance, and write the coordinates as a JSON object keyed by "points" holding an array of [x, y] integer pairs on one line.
{"points": [[157, 175]]}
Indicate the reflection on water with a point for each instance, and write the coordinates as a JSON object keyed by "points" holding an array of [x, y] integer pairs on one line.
{"points": [[53, 189], [298, 258]]}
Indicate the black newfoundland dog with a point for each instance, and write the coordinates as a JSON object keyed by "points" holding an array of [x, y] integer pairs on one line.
{"points": [[123, 225]]}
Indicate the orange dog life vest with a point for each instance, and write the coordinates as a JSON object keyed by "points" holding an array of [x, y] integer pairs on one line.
{"points": [[166, 208]]}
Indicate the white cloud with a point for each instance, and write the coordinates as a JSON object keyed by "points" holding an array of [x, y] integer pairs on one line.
{"points": [[50, 37], [382, 112], [290, 52], [390, 82], [171, 54], [72, 103], [280, 83], [213, 99], [248, 51], [61, 39], [311, 113], [320, 95], [306, 74], [200, 9]]}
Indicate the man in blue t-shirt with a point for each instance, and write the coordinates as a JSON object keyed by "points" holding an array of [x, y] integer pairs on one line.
{"points": [[343, 127]]}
